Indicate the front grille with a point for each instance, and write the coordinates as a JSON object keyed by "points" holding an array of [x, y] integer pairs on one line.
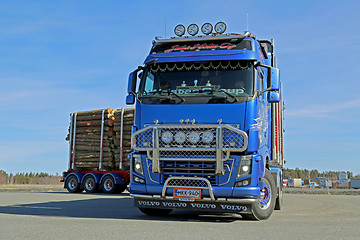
{"points": [[202, 169], [187, 183]]}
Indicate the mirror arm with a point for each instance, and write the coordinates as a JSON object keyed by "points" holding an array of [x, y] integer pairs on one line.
{"points": [[267, 90]]}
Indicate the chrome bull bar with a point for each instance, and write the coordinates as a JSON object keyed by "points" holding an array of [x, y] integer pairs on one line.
{"points": [[227, 139]]}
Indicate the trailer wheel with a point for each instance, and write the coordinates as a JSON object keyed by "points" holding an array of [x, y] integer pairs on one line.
{"points": [[89, 184], [72, 184], [155, 211], [120, 188], [279, 199], [263, 209], [108, 184]]}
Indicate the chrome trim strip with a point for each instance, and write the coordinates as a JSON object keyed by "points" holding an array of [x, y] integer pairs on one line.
{"points": [[219, 145], [203, 38], [156, 154]]}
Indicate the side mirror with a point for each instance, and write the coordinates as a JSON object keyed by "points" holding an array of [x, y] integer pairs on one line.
{"points": [[130, 99], [132, 82], [133, 79], [275, 79], [273, 97]]}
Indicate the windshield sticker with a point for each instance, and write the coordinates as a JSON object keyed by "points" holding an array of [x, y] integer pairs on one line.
{"points": [[205, 46]]}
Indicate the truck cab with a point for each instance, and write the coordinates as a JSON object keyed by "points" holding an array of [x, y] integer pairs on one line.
{"points": [[208, 125]]}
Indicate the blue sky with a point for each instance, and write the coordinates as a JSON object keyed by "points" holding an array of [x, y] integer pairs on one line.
{"points": [[58, 57]]}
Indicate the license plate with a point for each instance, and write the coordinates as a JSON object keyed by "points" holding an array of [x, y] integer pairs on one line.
{"points": [[187, 193]]}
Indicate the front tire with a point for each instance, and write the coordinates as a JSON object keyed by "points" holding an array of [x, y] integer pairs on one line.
{"points": [[155, 211], [264, 208], [72, 184]]}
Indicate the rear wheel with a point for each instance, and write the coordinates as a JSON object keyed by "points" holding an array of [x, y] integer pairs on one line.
{"points": [[72, 184], [120, 188], [108, 184], [89, 184], [155, 211], [263, 209]]}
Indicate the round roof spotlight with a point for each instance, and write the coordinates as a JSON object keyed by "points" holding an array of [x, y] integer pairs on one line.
{"points": [[179, 30], [220, 27], [193, 29], [206, 28]]}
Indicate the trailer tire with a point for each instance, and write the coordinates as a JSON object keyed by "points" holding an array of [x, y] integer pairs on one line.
{"points": [[279, 199], [120, 188], [262, 210], [108, 184], [72, 184], [89, 184], [155, 211]]}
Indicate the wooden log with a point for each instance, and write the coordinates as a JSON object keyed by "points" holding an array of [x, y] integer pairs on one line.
{"points": [[126, 128], [94, 117], [93, 141], [84, 155], [95, 112], [94, 123], [95, 145], [90, 148]]}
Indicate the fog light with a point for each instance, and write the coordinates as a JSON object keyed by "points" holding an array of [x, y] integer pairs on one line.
{"points": [[139, 180], [146, 144], [243, 183]]}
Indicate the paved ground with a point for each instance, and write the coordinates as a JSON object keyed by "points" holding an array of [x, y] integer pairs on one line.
{"points": [[60, 215]]}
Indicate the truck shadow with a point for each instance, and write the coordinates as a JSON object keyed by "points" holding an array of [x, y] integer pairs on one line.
{"points": [[105, 207]]}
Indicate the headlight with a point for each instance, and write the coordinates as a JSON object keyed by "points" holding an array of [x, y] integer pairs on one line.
{"points": [[180, 137], [245, 166], [194, 137], [167, 137], [207, 137], [137, 164]]}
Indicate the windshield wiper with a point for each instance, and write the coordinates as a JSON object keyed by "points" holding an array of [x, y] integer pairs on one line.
{"points": [[221, 90], [168, 97]]}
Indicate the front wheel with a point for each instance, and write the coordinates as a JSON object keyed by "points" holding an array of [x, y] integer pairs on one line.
{"points": [[263, 209], [155, 211]]}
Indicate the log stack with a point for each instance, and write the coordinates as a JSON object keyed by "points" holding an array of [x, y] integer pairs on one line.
{"points": [[86, 147], [123, 117]]}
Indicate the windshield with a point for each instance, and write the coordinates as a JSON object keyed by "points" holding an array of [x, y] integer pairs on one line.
{"points": [[197, 82]]}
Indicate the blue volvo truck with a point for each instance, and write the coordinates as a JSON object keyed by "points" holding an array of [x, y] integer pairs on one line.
{"points": [[208, 129]]}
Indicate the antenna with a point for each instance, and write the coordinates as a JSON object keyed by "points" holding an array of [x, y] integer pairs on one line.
{"points": [[247, 21], [165, 26]]}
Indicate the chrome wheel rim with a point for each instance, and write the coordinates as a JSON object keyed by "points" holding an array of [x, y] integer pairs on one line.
{"points": [[89, 184], [72, 184], [266, 196], [108, 184]]}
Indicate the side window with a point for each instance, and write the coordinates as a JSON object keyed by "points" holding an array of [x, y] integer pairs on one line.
{"points": [[261, 83], [149, 83]]}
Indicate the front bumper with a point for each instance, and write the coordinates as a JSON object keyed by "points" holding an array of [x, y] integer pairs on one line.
{"points": [[227, 205]]}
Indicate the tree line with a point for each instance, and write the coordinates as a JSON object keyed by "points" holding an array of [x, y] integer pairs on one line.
{"points": [[315, 174], [29, 178]]}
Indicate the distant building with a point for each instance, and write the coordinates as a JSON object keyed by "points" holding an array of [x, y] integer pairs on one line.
{"points": [[355, 183], [295, 182], [343, 176]]}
